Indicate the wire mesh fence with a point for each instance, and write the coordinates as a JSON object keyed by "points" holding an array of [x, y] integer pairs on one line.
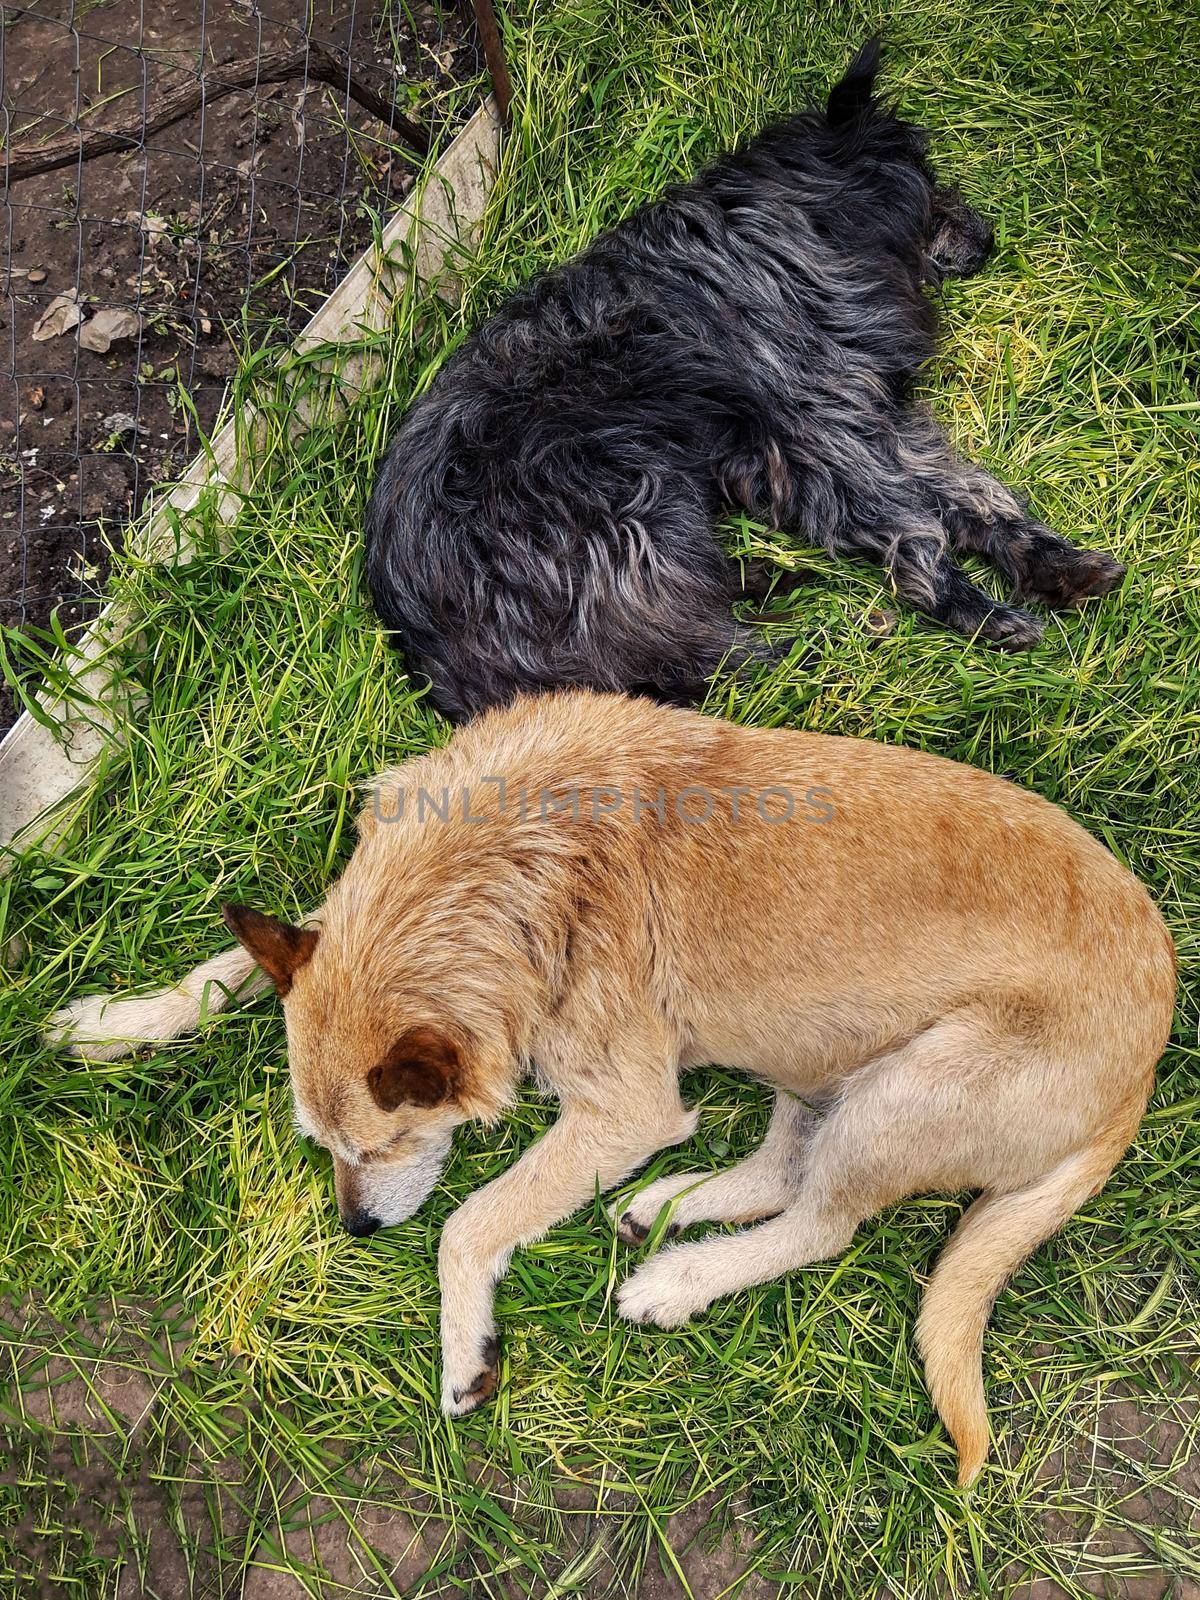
{"points": [[181, 178]]}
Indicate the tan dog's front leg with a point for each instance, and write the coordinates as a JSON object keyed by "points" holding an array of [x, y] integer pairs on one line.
{"points": [[554, 1178]]}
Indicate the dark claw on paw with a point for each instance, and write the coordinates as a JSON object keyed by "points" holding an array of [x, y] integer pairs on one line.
{"points": [[634, 1232], [484, 1384]]}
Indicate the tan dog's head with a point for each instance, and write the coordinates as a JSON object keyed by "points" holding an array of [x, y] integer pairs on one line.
{"points": [[378, 1084]]}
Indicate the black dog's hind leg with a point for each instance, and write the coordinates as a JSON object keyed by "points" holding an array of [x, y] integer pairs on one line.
{"points": [[924, 573], [983, 516], [658, 619], [958, 604], [1040, 565], [895, 528]]}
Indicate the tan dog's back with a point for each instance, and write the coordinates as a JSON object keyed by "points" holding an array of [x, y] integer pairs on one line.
{"points": [[881, 871]]}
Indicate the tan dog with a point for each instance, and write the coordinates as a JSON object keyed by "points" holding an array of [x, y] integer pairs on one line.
{"points": [[974, 989]]}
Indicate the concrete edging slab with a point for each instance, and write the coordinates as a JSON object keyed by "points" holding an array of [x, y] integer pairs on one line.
{"points": [[41, 767]]}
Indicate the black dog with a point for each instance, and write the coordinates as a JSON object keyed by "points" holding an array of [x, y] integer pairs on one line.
{"points": [[546, 514]]}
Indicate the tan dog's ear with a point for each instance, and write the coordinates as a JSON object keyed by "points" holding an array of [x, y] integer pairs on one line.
{"points": [[421, 1069], [279, 949]]}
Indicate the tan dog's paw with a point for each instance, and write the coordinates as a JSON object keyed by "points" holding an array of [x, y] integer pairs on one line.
{"points": [[662, 1292], [634, 1217], [460, 1399]]}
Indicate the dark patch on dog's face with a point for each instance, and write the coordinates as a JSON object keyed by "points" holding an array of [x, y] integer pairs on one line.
{"points": [[960, 240], [422, 1068]]}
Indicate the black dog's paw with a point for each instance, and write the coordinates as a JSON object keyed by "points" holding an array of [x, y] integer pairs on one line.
{"points": [[1062, 577], [1011, 629], [763, 579]]}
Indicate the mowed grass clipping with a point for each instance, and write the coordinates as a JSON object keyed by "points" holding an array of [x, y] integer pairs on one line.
{"points": [[1070, 367]]}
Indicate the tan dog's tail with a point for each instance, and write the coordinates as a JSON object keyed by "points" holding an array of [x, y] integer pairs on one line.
{"points": [[103, 1027], [989, 1244]]}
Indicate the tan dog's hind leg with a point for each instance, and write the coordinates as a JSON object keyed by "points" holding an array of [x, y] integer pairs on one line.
{"points": [[584, 1149], [764, 1183], [902, 1126]]}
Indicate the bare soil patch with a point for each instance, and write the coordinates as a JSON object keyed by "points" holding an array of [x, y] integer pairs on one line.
{"points": [[215, 234]]}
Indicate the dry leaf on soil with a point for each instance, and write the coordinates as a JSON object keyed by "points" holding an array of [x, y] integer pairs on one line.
{"points": [[62, 313], [108, 325]]}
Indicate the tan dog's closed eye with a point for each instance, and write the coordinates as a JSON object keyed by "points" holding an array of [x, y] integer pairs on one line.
{"points": [[611, 892]]}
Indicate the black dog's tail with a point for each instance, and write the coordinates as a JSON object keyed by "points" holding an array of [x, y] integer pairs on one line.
{"points": [[851, 94]]}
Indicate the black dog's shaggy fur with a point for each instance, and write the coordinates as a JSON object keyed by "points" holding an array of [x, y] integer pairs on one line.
{"points": [[546, 513]]}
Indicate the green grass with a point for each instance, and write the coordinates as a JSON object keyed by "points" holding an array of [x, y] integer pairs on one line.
{"points": [[1071, 367]]}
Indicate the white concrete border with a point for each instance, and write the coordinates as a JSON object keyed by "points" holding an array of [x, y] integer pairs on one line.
{"points": [[42, 767]]}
